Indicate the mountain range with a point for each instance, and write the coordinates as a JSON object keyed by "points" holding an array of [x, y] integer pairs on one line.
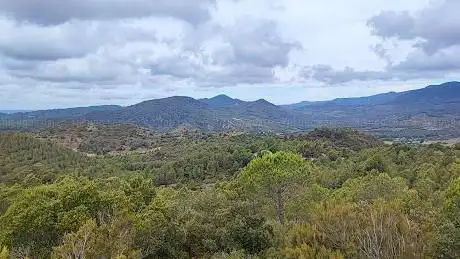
{"points": [[435, 107]]}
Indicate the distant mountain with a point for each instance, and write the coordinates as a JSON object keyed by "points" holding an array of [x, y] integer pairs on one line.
{"points": [[57, 114], [431, 111], [444, 93], [263, 109], [433, 94], [368, 100], [221, 101], [12, 111], [426, 110], [220, 113], [161, 114]]}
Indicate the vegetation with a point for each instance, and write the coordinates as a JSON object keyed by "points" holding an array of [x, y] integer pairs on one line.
{"points": [[430, 113], [326, 194]]}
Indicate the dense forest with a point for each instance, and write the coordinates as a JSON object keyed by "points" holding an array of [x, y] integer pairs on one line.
{"points": [[94, 191]]}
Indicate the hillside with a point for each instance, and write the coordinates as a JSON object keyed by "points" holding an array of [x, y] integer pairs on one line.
{"points": [[212, 196], [161, 114], [431, 111], [99, 138], [444, 93], [433, 94], [342, 138], [29, 160], [70, 113], [367, 100], [424, 113]]}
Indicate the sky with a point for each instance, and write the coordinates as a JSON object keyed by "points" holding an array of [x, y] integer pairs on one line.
{"points": [[72, 53]]}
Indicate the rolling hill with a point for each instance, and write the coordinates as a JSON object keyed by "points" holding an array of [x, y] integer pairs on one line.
{"points": [[68, 113], [434, 108], [433, 101], [444, 93]]}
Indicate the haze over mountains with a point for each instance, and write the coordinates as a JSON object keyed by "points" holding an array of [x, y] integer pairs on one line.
{"points": [[432, 108]]}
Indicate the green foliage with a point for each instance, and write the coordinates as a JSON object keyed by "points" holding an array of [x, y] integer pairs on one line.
{"points": [[341, 138], [228, 196], [31, 161], [4, 253], [274, 176], [449, 242]]}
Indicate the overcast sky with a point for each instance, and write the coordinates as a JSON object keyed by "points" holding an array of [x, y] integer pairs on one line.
{"points": [[56, 53]]}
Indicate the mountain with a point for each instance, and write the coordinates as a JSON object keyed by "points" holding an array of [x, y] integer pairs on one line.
{"points": [[57, 114], [444, 93], [433, 94], [367, 100], [12, 111], [427, 111], [220, 113], [161, 114], [264, 110], [221, 101], [418, 101]]}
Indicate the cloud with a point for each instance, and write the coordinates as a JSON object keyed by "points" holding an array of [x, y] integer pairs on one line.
{"points": [[112, 49], [31, 42], [91, 70], [52, 12], [121, 52], [433, 28], [216, 56], [432, 34], [440, 62], [328, 75]]}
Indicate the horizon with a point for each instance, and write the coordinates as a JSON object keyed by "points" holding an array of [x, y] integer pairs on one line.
{"points": [[17, 110]]}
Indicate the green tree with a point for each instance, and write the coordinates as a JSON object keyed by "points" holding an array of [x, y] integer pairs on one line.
{"points": [[274, 177], [449, 243], [4, 253]]}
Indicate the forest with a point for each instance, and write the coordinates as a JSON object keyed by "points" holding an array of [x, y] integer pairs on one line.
{"points": [[97, 191]]}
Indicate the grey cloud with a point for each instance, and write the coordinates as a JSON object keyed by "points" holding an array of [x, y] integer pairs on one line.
{"points": [[215, 56], [34, 44], [88, 70], [65, 78], [12, 64], [256, 49], [110, 53], [417, 65], [381, 52], [328, 75], [433, 31], [243, 74], [73, 39], [180, 66], [434, 28], [393, 24], [443, 61], [49, 12], [260, 45]]}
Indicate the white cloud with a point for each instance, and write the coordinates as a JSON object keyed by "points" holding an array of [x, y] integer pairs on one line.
{"points": [[120, 51]]}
